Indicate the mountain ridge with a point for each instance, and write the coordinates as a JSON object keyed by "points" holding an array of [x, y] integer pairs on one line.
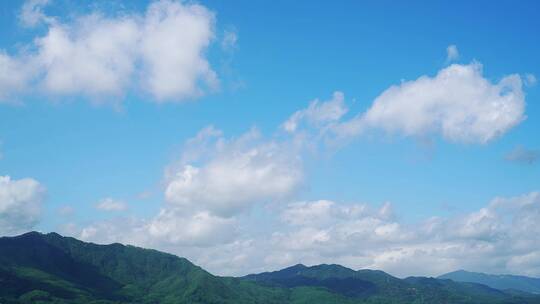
{"points": [[499, 281], [50, 268]]}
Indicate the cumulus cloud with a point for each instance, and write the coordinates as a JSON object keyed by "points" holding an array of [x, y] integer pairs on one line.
{"points": [[500, 237], [235, 174], [94, 57], [20, 204], [99, 56], [126, 230], [110, 204], [175, 36], [215, 182], [15, 74], [452, 53], [171, 229], [522, 155], [458, 103], [199, 229]]}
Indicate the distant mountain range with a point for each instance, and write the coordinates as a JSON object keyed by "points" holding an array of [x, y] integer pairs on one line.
{"points": [[49, 268], [503, 282]]}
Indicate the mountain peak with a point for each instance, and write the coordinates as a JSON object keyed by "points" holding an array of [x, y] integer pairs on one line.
{"points": [[297, 266]]}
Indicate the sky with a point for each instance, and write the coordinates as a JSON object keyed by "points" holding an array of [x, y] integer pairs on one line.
{"points": [[251, 136]]}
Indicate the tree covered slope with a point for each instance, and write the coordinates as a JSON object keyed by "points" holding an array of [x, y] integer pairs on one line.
{"points": [[521, 283], [49, 268]]}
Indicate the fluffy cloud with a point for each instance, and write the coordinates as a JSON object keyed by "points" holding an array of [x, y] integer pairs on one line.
{"points": [[14, 76], [522, 155], [20, 204], [235, 174], [174, 37], [101, 57], [171, 229], [458, 103], [500, 237], [214, 184], [200, 229], [110, 204], [127, 230], [94, 57]]}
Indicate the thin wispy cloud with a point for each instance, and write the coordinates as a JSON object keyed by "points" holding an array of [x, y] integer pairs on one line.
{"points": [[530, 80], [523, 155], [111, 204], [452, 53]]}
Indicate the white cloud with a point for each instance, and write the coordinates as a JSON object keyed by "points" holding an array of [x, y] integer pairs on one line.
{"points": [[171, 229], [501, 237], [126, 230], [318, 113], [319, 213], [94, 57], [20, 204], [110, 204], [175, 36], [215, 183], [102, 57], [235, 174], [14, 76], [32, 13], [199, 229], [458, 103], [452, 53]]}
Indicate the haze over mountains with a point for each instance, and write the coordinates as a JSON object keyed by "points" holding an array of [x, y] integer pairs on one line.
{"points": [[503, 281], [49, 268]]}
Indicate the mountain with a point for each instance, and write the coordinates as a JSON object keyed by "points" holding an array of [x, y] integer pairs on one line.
{"points": [[336, 278], [49, 268], [503, 282], [374, 286]]}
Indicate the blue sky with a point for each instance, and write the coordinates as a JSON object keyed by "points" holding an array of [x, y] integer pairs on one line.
{"points": [[84, 144]]}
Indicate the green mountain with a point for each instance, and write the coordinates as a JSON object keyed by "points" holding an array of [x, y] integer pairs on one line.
{"points": [[373, 286], [503, 282], [37, 268], [49, 268]]}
